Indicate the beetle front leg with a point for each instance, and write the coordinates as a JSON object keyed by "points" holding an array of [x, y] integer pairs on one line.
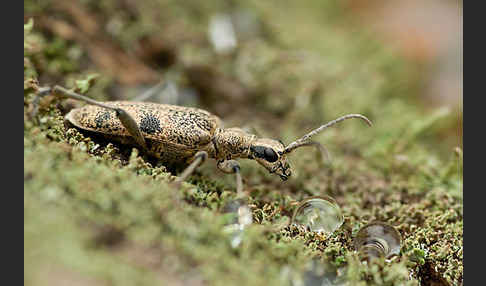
{"points": [[197, 161], [230, 167]]}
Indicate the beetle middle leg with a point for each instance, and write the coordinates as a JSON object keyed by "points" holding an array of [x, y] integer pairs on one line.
{"points": [[197, 161], [127, 121], [230, 167]]}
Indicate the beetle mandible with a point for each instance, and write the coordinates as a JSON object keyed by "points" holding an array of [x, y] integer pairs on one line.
{"points": [[187, 135]]}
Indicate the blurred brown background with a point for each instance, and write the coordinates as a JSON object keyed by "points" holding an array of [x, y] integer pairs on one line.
{"points": [[427, 32]]}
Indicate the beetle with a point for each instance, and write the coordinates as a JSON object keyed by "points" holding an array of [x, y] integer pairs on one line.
{"points": [[177, 134]]}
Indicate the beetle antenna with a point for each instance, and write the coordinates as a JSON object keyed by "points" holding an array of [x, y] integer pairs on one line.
{"points": [[304, 140], [320, 148]]}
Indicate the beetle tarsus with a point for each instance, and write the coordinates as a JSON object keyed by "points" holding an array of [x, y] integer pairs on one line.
{"points": [[41, 92], [233, 167]]}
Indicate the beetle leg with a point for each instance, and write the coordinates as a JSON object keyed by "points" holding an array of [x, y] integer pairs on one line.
{"points": [[132, 127], [161, 87], [230, 167], [127, 121], [43, 91], [197, 161]]}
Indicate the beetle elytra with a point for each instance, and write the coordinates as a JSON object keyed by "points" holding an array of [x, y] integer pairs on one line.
{"points": [[185, 135]]}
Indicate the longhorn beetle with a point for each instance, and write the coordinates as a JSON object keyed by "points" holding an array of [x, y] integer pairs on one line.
{"points": [[184, 134]]}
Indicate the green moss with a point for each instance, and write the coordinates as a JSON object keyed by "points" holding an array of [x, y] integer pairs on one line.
{"points": [[101, 211]]}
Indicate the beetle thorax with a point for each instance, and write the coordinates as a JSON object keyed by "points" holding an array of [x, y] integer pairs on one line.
{"points": [[235, 143], [231, 143]]}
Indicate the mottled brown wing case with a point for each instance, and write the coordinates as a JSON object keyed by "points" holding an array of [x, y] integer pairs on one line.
{"points": [[186, 126]]}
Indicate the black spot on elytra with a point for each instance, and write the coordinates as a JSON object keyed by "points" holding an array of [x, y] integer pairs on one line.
{"points": [[101, 118], [150, 124]]}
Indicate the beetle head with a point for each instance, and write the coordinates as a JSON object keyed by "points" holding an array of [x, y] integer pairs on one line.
{"points": [[270, 154]]}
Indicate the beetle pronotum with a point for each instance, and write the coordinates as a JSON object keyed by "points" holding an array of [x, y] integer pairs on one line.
{"points": [[184, 134]]}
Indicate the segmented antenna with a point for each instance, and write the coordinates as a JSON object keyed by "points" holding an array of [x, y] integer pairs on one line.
{"points": [[304, 140]]}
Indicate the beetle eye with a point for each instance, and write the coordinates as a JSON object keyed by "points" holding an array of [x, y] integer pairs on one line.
{"points": [[270, 155], [264, 152]]}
